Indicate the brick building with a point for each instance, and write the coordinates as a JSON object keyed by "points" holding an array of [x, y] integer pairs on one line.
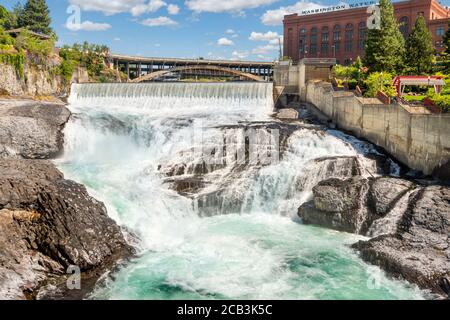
{"points": [[339, 32]]}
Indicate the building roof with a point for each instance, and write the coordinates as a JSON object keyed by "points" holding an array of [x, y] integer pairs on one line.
{"points": [[35, 34]]}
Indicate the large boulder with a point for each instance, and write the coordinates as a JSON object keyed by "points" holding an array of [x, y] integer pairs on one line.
{"points": [[352, 205], [31, 130], [420, 249], [47, 224], [337, 204]]}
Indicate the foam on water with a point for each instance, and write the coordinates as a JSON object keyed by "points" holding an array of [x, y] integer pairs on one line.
{"points": [[114, 144]]}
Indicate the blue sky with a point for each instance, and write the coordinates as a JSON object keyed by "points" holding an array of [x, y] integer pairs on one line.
{"points": [[216, 29]]}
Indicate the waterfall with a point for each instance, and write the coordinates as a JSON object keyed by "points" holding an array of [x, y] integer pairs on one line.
{"points": [[221, 230], [389, 223], [252, 97]]}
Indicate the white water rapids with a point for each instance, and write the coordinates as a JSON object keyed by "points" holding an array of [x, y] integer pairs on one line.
{"points": [[250, 245]]}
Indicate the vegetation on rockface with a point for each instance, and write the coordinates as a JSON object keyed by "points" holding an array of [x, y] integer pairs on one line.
{"points": [[90, 56], [419, 48], [385, 47], [9, 54], [26, 47]]}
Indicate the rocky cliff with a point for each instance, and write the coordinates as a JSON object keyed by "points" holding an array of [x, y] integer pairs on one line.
{"points": [[409, 224], [36, 81], [47, 223]]}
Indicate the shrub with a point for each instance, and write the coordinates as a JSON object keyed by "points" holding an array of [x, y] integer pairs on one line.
{"points": [[33, 45], [89, 56], [6, 39], [379, 81], [352, 83], [442, 101], [15, 59]]}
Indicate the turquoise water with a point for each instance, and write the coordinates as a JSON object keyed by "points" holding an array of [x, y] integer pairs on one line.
{"points": [[260, 252]]}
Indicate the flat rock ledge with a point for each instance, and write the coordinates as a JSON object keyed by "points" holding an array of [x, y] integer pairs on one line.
{"points": [[31, 129], [47, 224], [409, 225]]}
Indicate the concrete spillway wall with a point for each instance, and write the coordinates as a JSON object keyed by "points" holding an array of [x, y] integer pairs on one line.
{"points": [[417, 138]]}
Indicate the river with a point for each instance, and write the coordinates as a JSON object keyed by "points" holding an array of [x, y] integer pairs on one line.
{"points": [[234, 234]]}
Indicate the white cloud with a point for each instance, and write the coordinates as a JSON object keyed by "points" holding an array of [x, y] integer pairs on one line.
{"points": [[110, 7], [88, 26], [225, 5], [275, 17], [272, 38], [158, 22], [151, 6], [173, 9], [261, 50], [116, 39], [268, 36], [234, 35], [225, 42], [230, 31], [239, 55]]}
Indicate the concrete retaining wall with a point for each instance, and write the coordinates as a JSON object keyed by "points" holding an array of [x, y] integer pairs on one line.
{"points": [[416, 138]]}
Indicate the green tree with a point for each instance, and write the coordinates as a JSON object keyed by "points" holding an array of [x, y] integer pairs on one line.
{"points": [[446, 53], [385, 46], [35, 16], [4, 16], [419, 48], [13, 23]]}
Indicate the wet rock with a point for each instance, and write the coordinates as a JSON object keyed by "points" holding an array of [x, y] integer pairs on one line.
{"points": [[47, 224], [31, 130], [352, 205], [342, 167], [338, 204], [287, 114], [385, 192], [420, 249]]}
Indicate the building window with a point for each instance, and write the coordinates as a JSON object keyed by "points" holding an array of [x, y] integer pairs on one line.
{"points": [[290, 40], [404, 26], [439, 44], [440, 31], [325, 34], [302, 41], [313, 36], [337, 33], [349, 32], [324, 48], [313, 49], [349, 37], [337, 47], [362, 33]]}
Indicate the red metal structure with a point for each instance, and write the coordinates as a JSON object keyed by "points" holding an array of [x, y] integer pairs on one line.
{"points": [[401, 81]]}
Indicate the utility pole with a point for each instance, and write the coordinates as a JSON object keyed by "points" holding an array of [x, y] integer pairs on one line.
{"points": [[281, 50]]}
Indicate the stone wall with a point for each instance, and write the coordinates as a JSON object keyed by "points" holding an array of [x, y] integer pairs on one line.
{"points": [[415, 137], [287, 76]]}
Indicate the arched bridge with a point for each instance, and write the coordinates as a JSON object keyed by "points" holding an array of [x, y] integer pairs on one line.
{"points": [[209, 70], [150, 68]]}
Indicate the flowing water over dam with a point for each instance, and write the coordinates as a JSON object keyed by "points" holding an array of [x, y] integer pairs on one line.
{"points": [[221, 230]]}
